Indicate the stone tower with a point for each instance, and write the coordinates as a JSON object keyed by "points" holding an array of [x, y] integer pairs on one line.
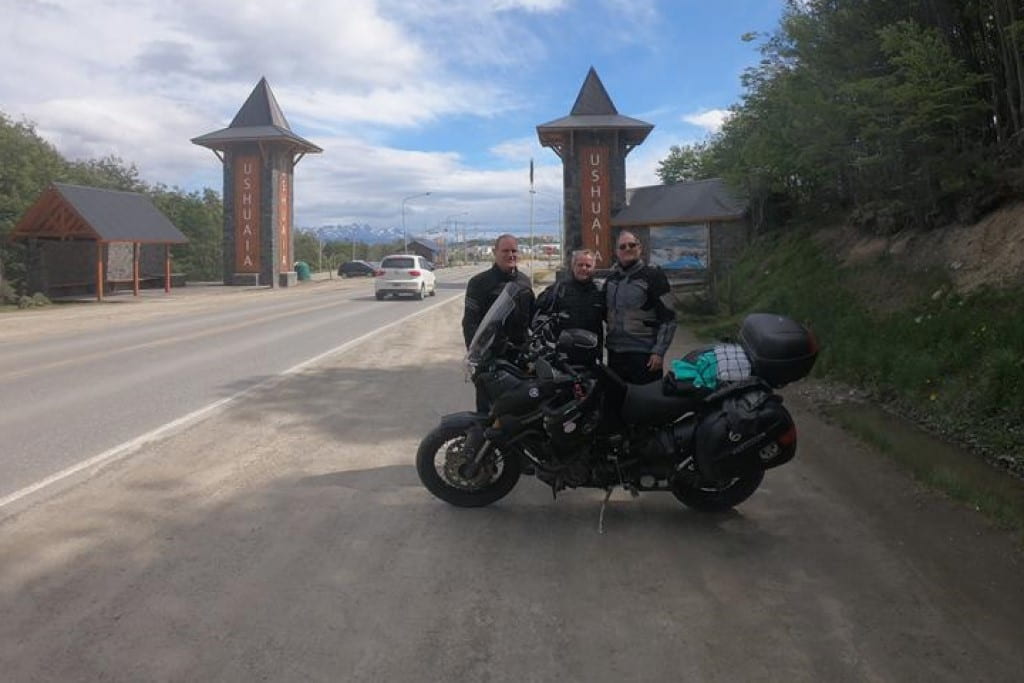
{"points": [[592, 142], [259, 152]]}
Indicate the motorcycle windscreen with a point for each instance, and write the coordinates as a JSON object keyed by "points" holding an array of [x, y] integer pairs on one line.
{"points": [[495, 317]]}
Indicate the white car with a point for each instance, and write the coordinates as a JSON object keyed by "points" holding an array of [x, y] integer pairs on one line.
{"points": [[405, 274]]}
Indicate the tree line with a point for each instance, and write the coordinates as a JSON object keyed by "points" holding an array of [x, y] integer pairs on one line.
{"points": [[28, 164], [892, 113]]}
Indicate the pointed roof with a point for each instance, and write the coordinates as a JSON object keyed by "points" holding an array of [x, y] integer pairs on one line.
{"points": [[259, 120], [261, 109], [66, 211], [593, 110], [593, 98]]}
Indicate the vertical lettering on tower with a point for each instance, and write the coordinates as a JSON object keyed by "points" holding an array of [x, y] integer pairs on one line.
{"points": [[284, 220], [595, 203], [247, 214]]}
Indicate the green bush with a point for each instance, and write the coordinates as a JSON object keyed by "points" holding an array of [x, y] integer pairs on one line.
{"points": [[7, 293], [956, 360], [36, 300]]}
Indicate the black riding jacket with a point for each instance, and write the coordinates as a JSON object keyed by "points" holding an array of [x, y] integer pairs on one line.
{"points": [[582, 301], [483, 289], [638, 319]]}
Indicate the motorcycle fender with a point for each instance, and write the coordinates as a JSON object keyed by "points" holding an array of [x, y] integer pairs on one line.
{"points": [[464, 420]]}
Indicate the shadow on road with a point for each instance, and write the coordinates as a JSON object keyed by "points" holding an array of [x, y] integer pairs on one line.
{"points": [[317, 565], [356, 404]]}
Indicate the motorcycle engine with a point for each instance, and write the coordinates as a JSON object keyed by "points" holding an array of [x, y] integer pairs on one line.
{"points": [[568, 426]]}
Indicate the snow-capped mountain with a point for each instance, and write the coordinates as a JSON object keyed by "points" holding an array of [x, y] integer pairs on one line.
{"points": [[364, 234]]}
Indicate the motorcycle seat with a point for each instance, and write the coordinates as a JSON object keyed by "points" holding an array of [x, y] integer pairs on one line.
{"points": [[646, 404]]}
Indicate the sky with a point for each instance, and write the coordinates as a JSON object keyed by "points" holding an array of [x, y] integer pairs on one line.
{"points": [[404, 96]]}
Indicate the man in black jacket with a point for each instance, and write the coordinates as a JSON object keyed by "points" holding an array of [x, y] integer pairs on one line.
{"points": [[484, 288], [582, 303], [640, 324]]}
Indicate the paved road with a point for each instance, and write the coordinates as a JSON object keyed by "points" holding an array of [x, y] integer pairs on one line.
{"points": [[80, 391], [287, 538]]}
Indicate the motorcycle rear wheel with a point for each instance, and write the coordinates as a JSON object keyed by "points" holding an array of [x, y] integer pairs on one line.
{"points": [[438, 461], [717, 499]]}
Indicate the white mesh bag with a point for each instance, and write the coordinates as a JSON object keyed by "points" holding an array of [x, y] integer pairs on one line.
{"points": [[733, 364]]}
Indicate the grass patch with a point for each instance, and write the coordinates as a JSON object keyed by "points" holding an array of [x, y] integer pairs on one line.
{"points": [[954, 362], [951, 362], [962, 477]]}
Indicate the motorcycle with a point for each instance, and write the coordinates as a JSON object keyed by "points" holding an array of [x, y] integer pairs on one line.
{"points": [[707, 442]]}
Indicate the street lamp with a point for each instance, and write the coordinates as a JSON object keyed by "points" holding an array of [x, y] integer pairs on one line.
{"points": [[405, 235]]}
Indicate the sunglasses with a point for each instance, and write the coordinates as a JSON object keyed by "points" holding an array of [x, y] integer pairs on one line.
{"points": [[629, 245]]}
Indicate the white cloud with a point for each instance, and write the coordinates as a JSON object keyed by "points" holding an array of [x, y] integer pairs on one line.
{"points": [[710, 120], [361, 182], [138, 79], [529, 5], [518, 150]]}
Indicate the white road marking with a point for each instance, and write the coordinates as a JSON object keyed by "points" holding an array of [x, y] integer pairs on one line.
{"points": [[128, 447]]}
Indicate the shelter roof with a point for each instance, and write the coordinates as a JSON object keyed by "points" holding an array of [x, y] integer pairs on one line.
{"points": [[426, 243], [259, 120], [66, 211], [683, 202], [593, 110]]}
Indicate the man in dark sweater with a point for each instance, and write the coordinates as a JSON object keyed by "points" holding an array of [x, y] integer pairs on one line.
{"points": [[581, 301], [482, 290]]}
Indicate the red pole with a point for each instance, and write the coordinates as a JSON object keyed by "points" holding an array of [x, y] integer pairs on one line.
{"points": [[135, 267], [99, 271]]}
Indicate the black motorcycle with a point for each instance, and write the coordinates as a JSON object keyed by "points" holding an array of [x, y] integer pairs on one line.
{"points": [[582, 426]]}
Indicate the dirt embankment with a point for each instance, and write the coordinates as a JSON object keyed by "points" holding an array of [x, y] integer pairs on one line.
{"points": [[990, 252]]}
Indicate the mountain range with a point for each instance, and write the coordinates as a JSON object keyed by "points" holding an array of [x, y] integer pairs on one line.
{"points": [[366, 234]]}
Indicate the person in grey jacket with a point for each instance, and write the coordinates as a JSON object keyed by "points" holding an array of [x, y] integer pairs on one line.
{"points": [[640, 325]]}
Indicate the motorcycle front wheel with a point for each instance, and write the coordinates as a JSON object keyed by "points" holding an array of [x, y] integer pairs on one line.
{"points": [[716, 499], [441, 464]]}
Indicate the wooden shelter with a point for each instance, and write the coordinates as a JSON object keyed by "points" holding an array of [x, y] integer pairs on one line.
{"points": [[90, 239]]}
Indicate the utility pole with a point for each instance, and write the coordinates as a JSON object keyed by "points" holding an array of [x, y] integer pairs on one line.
{"points": [[405, 235], [532, 193], [320, 250]]}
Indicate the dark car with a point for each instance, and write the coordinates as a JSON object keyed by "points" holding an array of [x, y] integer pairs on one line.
{"points": [[356, 269]]}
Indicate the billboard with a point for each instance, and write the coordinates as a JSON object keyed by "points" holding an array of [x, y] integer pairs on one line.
{"points": [[679, 247]]}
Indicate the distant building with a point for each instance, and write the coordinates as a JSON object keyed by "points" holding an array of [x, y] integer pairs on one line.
{"points": [[428, 249], [694, 230], [90, 240]]}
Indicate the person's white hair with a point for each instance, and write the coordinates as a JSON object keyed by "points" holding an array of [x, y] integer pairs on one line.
{"points": [[581, 252]]}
